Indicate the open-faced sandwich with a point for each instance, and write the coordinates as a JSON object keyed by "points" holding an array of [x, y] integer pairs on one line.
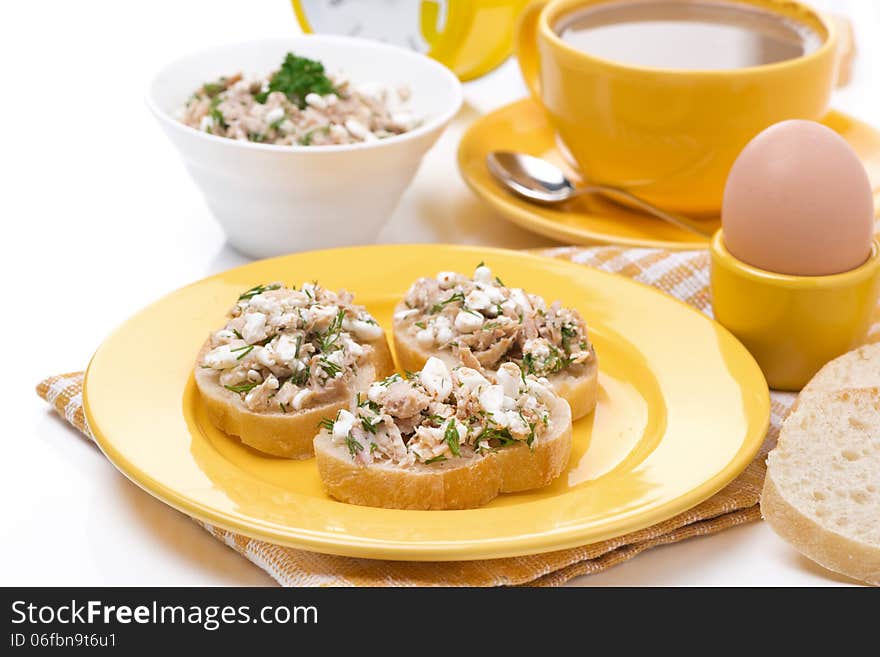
{"points": [[445, 438], [482, 323], [285, 359]]}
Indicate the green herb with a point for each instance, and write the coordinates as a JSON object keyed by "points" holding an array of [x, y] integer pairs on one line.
{"points": [[244, 351], [353, 445], [326, 423], [300, 377], [500, 282], [373, 447], [299, 340], [256, 137], [328, 340], [368, 426], [482, 264], [332, 369], [568, 332], [283, 407], [531, 426], [242, 387], [373, 406], [435, 419], [297, 78], [458, 297], [258, 289], [451, 436], [236, 333], [275, 125], [501, 435], [421, 325], [410, 375], [387, 381], [436, 459], [211, 89]]}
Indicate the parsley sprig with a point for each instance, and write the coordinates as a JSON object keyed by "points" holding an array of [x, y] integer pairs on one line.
{"points": [[297, 78]]}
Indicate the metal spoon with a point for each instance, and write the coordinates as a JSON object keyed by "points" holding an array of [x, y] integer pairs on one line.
{"points": [[540, 181]]}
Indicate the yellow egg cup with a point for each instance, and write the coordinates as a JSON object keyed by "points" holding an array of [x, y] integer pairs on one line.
{"points": [[793, 325]]}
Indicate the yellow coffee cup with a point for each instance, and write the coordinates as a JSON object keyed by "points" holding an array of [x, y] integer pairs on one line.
{"points": [[669, 135]]}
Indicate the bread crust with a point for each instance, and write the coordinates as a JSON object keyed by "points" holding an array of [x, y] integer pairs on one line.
{"points": [[577, 384], [785, 513], [288, 435], [829, 549], [459, 483]]}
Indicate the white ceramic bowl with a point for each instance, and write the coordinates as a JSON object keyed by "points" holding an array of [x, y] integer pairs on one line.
{"points": [[277, 199]]}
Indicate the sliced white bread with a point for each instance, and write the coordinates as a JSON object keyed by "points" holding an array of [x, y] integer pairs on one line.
{"points": [[577, 384], [464, 482], [822, 489], [526, 468], [291, 434], [859, 368]]}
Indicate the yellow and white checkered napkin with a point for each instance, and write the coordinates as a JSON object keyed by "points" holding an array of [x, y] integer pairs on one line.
{"points": [[684, 275]]}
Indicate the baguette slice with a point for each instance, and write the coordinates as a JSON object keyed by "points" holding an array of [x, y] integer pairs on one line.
{"points": [[822, 489], [445, 438], [577, 384], [859, 368], [288, 435], [458, 483]]}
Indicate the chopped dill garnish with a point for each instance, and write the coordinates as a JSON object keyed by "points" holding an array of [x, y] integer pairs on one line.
{"points": [[436, 459], [242, 387], [326, 423], [258, 289], [451, 437], [353, 445], [458, 297], [244, 351]]}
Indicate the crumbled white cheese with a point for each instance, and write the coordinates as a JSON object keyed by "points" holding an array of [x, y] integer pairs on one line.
{"points": [[366, 330], [492, 399], [436, 379], [446, 279], [483, 274], [316, 101], [468, 322], [509, 378], [254, 328], [300, 398], [344, 423], [221, 358], [425, 337]]}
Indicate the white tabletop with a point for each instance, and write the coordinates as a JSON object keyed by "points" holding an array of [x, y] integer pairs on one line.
{"points": [[99, 218]]}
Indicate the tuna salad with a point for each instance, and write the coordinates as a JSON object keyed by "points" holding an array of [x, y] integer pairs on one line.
{"points": [[284, 349], [439, 414], [299, 105], [487, 323]]}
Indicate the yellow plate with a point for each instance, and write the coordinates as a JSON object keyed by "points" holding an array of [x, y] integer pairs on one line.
{"points": [[522, 126], [682, 410]]}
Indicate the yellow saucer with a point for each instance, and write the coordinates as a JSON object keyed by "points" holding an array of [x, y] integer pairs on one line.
{"points": [[522, 126], [683, 408]]}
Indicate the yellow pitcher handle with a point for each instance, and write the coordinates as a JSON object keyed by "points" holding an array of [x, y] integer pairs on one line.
{"points": [[527, 46]]}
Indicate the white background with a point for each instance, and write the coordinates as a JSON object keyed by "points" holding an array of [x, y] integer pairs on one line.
{"points": [[99, 218]]}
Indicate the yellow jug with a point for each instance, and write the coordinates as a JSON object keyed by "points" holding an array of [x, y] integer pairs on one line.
{"points": [[471, 37]]}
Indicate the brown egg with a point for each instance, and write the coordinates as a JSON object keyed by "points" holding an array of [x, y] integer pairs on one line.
{"points": [[798, 201]]}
